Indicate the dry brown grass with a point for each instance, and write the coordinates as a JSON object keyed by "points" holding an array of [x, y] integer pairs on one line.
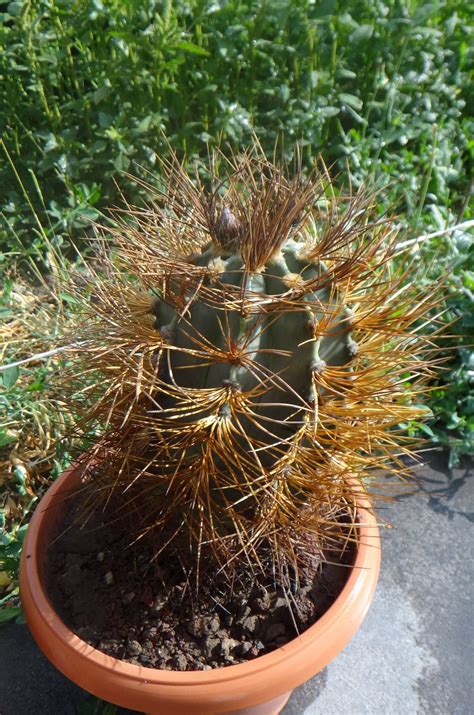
{"points": [[33, 417]]}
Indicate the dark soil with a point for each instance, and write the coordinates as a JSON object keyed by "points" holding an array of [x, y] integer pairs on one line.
{"points": [[144, 611]]}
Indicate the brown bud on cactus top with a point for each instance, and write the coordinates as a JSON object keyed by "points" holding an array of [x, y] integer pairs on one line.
{"points": [[228, 230]]}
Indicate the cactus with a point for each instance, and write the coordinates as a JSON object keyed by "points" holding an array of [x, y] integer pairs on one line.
{"points": [[247, 353]]}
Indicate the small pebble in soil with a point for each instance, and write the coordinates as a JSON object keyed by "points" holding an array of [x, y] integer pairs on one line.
{"points": [[227, 645], [250, 624], [243, 648], [163, 653], [180, 662], [211, 645], [134, 647]]}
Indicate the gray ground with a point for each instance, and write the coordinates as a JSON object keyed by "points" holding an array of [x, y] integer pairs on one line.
{"points": [[413, 655]]}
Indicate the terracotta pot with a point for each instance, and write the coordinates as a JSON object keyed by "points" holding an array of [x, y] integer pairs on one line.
{"points": [[258, 687]]}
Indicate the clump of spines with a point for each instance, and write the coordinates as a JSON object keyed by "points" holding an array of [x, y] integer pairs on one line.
{"points": [[253, 350]]}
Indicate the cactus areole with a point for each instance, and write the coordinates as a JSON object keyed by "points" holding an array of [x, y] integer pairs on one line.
{"points": [[247, 348]]}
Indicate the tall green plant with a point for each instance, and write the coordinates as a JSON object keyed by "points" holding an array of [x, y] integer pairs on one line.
{"points": [[89, 88]]}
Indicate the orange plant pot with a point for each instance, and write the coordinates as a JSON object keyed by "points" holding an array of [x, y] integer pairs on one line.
{"points": [[258, 687]]}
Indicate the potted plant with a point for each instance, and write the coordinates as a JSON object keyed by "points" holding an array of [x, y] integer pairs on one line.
{"points": [[244, 354]]}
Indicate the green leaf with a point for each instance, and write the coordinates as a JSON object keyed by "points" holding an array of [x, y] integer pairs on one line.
{"points": [[145, 124], [7, 437], [9, 595], [69, 298], [361, 33], [101, 94], [21, 533], [22, 477], [95, 706], [329, 111], [343, 73], [10, 376], [15, 8], [427, 430], [351, 100], [9, 613], [453, 458], [187, 46]]}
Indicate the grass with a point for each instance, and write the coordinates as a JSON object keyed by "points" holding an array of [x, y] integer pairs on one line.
{"points": [[92, 90], [32, 420]]}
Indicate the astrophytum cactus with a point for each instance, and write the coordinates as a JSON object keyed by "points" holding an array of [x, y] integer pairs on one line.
{"points": [[250, 345]]}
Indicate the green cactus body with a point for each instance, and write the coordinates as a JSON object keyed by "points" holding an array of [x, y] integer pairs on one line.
{"points": [[270, 366], [284, 347]]}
